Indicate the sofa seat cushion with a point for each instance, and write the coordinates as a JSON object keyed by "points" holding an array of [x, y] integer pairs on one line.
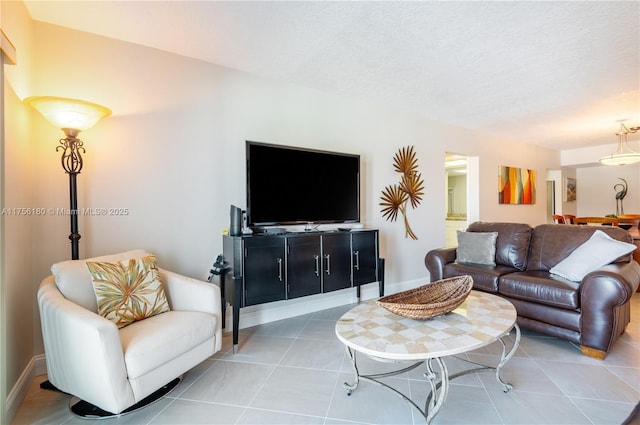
{"points": [[541, 287], [152, 342], [485, 278]]}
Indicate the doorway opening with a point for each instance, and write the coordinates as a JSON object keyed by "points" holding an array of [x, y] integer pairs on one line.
{"points": [[456, 192]]}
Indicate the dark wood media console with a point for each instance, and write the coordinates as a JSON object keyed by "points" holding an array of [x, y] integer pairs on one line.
{"points": [[274, 267]]}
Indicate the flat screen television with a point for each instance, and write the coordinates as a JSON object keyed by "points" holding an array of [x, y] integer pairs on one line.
{"points": [[290, 185]]}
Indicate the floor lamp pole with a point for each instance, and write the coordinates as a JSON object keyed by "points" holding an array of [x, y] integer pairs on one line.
{"points": [[71, 160], [74, 236]]}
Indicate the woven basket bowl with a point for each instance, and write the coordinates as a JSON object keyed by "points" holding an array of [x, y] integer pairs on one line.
{"points": [[430, 300]]}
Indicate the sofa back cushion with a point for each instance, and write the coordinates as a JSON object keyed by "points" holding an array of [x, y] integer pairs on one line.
{"points": [[512, 244], [552, 243]]}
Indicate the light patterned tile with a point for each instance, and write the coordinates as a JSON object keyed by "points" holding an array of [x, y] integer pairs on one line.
{"points": [[553, 383], [605, 412], [320, 329], [588, 381], [287, 328], [296, 390], [227, 382], [371, 403], [269, 417], [522, 374], [521, 407], [630, 375], [315, 354], [261, 349], [461, 400], [193, 412]]}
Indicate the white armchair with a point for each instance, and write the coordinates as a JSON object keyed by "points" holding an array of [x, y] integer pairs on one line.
{"points": [[89, 357]]}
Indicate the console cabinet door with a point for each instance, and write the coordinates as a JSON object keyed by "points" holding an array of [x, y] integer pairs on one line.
{"points": [[365, 257], [336, 261], [303, 266], [264, 270]]}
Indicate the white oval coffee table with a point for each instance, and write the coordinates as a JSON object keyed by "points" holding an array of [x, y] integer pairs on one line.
{"points": [[481, 320]]}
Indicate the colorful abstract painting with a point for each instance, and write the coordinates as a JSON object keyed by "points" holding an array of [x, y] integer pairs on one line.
{"points": [[516, 185]]}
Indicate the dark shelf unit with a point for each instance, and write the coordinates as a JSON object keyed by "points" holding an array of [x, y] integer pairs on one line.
{"points": [[273, 267]]}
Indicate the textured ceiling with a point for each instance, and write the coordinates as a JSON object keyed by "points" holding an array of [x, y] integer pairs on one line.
{"points": [[556, 74]]}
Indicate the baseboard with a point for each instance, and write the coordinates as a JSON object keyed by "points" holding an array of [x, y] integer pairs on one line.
{"points": [[271, 312], [37, 366]]}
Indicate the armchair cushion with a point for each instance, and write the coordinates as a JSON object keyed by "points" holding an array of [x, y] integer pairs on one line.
{"points": [[74, 280], [128, 291], [148, 344]]}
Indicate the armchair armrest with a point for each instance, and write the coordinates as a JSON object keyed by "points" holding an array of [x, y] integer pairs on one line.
{"points": [[436, 259], [83, 351], [188, 294], [604, 296]]}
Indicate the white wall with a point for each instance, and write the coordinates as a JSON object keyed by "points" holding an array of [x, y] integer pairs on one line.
{"points": [[173, 155], [594, 182], [21, 334], [596, 193]]}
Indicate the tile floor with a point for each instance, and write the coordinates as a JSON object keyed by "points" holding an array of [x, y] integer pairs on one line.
{"points": [[292, 371]]}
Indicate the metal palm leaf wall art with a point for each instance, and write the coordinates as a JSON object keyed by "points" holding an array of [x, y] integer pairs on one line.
{"points": [[397, 197]]}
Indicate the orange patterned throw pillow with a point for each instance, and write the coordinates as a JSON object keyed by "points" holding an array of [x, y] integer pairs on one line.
{"points": [[129, 290]]}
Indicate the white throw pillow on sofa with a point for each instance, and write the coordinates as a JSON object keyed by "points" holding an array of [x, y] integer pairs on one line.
{"points": [[599, 250]]}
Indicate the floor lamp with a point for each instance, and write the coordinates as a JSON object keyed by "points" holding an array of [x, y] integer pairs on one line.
{"points": [[72, 116]]}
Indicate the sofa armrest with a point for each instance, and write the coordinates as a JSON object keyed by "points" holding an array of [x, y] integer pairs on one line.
{"points": [[436, 259], [602, 293], [83, 351]]}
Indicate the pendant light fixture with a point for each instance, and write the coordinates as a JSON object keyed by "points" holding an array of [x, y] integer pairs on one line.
{"points": [[623, 155]]}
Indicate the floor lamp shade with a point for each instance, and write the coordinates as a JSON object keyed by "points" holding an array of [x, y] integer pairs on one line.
{"points": [[68, 113], [71, 116]]}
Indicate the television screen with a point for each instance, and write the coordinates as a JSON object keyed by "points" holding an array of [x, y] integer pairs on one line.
{"points": [[289, 185]]}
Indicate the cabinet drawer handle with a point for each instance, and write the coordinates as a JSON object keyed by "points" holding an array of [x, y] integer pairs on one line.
{"points": [[280, 269], [357, 260], [328, 258], [317, 270]]}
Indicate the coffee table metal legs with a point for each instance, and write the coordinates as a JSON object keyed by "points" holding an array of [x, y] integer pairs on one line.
{"points": [[440, 390], [352, 387], [438, 387], [505, 358], [437, 375]]}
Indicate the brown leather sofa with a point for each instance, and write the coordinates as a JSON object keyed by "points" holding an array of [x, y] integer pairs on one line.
{"points": [[591, 313]]}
